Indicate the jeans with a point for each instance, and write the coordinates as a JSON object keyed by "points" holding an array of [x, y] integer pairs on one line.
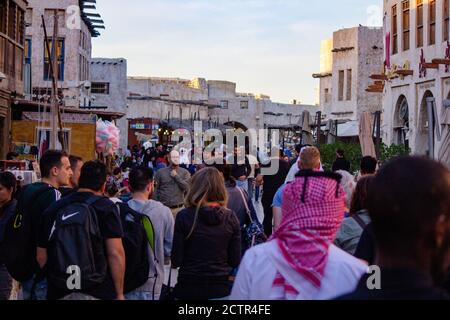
{"points": [[40, 290], [250, 188], [257, 191], [141, 295]]}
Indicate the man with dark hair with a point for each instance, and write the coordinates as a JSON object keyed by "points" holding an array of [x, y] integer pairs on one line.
{"points": [[92, 183], [141, 184], [270, 187], [341, 163], [75, 163], [409, 205], [368, 165], [37, 197]]}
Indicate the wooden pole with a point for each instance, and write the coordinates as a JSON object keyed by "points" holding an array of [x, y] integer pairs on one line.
{"points": [[55, 118]]}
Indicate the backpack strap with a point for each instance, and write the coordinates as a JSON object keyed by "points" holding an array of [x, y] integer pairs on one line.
{"points": [[93, 199], [247, 209], [145, 221], [360, 221], [34, 195]]}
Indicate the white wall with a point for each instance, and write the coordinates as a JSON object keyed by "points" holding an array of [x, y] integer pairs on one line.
{"points": [[414, 87]]}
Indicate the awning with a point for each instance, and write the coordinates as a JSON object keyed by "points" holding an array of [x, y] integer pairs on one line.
{"points": [[366, 135], [348, 129]]}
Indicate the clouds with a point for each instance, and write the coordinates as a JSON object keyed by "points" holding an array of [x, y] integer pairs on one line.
{"points": [[267, 46]]}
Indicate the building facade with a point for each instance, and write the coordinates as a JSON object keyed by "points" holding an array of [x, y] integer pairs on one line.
{"points": [[346, 62], [12, 46], [417, 67], [211, 101], [109, 90], [77, 24]]}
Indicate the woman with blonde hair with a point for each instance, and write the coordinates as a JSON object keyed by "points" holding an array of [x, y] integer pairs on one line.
{"points": [[206, 243]]}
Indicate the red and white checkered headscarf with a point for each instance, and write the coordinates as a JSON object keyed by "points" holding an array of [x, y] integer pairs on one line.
{"points": [[313, 210]]}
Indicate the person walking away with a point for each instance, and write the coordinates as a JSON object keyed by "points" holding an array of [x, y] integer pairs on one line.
{"points": [[105, 247], [75, 164], [254, 164], [270, 187], [300, 262], [236, 203], [348, 184], [141, 184], [353, 226], [22, 238], [410, 211], [308, 160], [368, 166], [207, 241], [341, 163], [171, 184], [7, 209]]}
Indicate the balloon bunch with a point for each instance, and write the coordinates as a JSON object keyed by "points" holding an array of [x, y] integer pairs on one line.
{"points": [[107, 137]]}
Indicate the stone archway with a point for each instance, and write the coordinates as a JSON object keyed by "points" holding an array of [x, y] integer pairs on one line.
{"points": [[236, 125], [401, 122], [421, 144]]}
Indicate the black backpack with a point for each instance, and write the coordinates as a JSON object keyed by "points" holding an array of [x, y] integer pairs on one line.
{"points": [[19, 245], [75, 240], [138, 235]]}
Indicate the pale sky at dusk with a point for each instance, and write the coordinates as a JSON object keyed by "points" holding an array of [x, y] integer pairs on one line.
{"points": [[265, 46]]}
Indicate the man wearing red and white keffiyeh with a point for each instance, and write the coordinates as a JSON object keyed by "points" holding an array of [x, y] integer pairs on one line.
{"points": [[313, 210], [300, 262]]}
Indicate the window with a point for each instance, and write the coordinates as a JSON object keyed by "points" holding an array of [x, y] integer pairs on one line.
{"points": [[349, 84], [394, 30], [341, 85], [28, 48], [224, 104], [12, 16], [244, 104], [2, 54], [49, 16], [3, 17], [100, 88], [59, 57], [327, 95], [432, 20], [20, 34], [419, 22], [445, 25], [29, 16], [405, 25]]}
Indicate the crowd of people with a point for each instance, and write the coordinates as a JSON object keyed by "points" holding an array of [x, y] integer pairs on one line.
{"points": [[321, 230]]}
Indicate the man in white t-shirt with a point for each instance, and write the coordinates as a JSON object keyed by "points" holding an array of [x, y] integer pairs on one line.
{"points": [[300, 261]]}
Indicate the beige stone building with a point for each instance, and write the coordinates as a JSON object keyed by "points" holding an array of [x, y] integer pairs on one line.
{"points": [[214, 102], [417, 68], [346, 62], [77, 24], [12, 45]]}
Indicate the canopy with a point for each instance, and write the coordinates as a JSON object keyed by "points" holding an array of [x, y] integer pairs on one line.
{"points": [[366, 135]]}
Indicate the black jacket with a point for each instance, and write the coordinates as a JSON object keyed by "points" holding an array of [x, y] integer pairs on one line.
{"points": [[341, 164], [398, 284], [274, 182], [214, 247]]}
